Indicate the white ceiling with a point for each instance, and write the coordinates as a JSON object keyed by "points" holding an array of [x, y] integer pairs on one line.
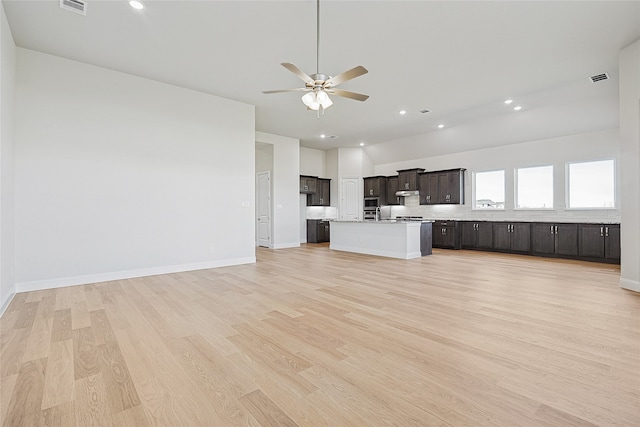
{"points": [[458, 59]]}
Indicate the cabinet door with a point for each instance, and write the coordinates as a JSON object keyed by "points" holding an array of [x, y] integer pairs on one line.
{"points": [[449, 237], [567, 239], [438, 236], [485, 235], [324, 191], [392, 188], [428, 188], [468, 235], [520, 237], [372, 187], [612, 241], [591, 240], [307, 184], [502, 236], [408, 180], [543, 238], [454, 184]]}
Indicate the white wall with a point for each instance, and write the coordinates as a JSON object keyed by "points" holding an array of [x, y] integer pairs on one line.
{"points": [[7, 89], [285, 198], [119, 176], [630, 165], [555, 151], [312, 162]]}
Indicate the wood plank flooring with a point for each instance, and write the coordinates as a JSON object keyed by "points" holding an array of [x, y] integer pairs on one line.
{"points": [[313, 337]]}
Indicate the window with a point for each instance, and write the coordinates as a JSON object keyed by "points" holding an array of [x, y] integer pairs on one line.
{"points": [[534, 188], [489, 190], [592, 184]]}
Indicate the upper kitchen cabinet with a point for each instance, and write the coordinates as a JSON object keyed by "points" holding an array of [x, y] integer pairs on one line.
{"points": [[392, 188], [308, 184], [408, 179], [451, 186], [322, 195], [442, 187], [429, 188], [376, 186]]}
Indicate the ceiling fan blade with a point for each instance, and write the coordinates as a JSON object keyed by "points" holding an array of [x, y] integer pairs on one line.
{"points": [[298, 72], [287, 90], [348, 94], [347, 75]]}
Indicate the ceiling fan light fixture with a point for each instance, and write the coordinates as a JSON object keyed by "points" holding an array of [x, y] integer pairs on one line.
{"points": [[323, 99], [311, 100]]}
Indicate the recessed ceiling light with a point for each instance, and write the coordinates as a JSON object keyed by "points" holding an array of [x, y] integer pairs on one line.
{"points": [[508, 101], [402, 112], [517, 108], [440, 126], [362, 144], [136, 4], [323, 135]]}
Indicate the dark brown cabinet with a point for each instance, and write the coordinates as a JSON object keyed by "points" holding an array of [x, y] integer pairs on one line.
{"points": [[451, 186], [376, 186], [318, 231], [599, 241], [322, 195], [446, 234], [408, 179], [442, 187], [554, 239], [476, 235], [512, 236], [429, 188], [308, 184], [392, 188]]}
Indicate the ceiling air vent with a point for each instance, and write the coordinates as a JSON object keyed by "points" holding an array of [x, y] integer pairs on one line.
{"points": [[599, 77], [77, 6]]}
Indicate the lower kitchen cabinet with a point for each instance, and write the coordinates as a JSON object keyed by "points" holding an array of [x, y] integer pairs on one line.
{"points": [[554, 239], [512, 236], [599, 241], [446, 234], [476, 235], [318, 231]]}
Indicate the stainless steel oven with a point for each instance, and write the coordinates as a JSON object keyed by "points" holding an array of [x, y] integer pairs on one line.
{"points": [[370, 206]]}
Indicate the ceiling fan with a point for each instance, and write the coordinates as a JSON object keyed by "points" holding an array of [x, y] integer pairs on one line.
{"points": [[318, 86]]}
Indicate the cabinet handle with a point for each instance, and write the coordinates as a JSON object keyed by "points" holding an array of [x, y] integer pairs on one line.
{"points": [[556, 229], [606, 231], [552, 229], [601, 231]]}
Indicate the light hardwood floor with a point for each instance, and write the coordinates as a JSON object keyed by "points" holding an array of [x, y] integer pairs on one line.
{"points": [[313, 337]]}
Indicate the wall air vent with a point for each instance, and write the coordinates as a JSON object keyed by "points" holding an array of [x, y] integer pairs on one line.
{"points": [[599, 77], [77, 6]]}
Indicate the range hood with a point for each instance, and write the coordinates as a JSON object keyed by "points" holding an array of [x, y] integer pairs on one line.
{"points": [[405, 193]]}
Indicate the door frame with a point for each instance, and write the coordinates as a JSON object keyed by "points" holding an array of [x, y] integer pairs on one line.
{"points": [[268, 201]]}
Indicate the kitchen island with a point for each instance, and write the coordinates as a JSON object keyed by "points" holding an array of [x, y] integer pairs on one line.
{"points": [[389, 238]]}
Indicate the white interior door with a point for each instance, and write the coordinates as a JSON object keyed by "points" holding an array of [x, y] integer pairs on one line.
{"points": [[264, 209], [350, 199]]}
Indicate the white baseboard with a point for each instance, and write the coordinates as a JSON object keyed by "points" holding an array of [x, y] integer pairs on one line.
{"points": [[632, 285], [6, 303], [286, 245], [61, 282]]}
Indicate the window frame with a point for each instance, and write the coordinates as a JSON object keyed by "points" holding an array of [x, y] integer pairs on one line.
{"points": [[516, 190], [474, 189], [567, 181]]}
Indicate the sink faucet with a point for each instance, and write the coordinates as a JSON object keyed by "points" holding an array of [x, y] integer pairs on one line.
{"points": [[378, 214]]}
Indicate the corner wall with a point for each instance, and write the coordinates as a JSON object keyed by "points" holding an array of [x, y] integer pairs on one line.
{"points": [[285, 199], [118, 176], [7, 199], [630, 165]]}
